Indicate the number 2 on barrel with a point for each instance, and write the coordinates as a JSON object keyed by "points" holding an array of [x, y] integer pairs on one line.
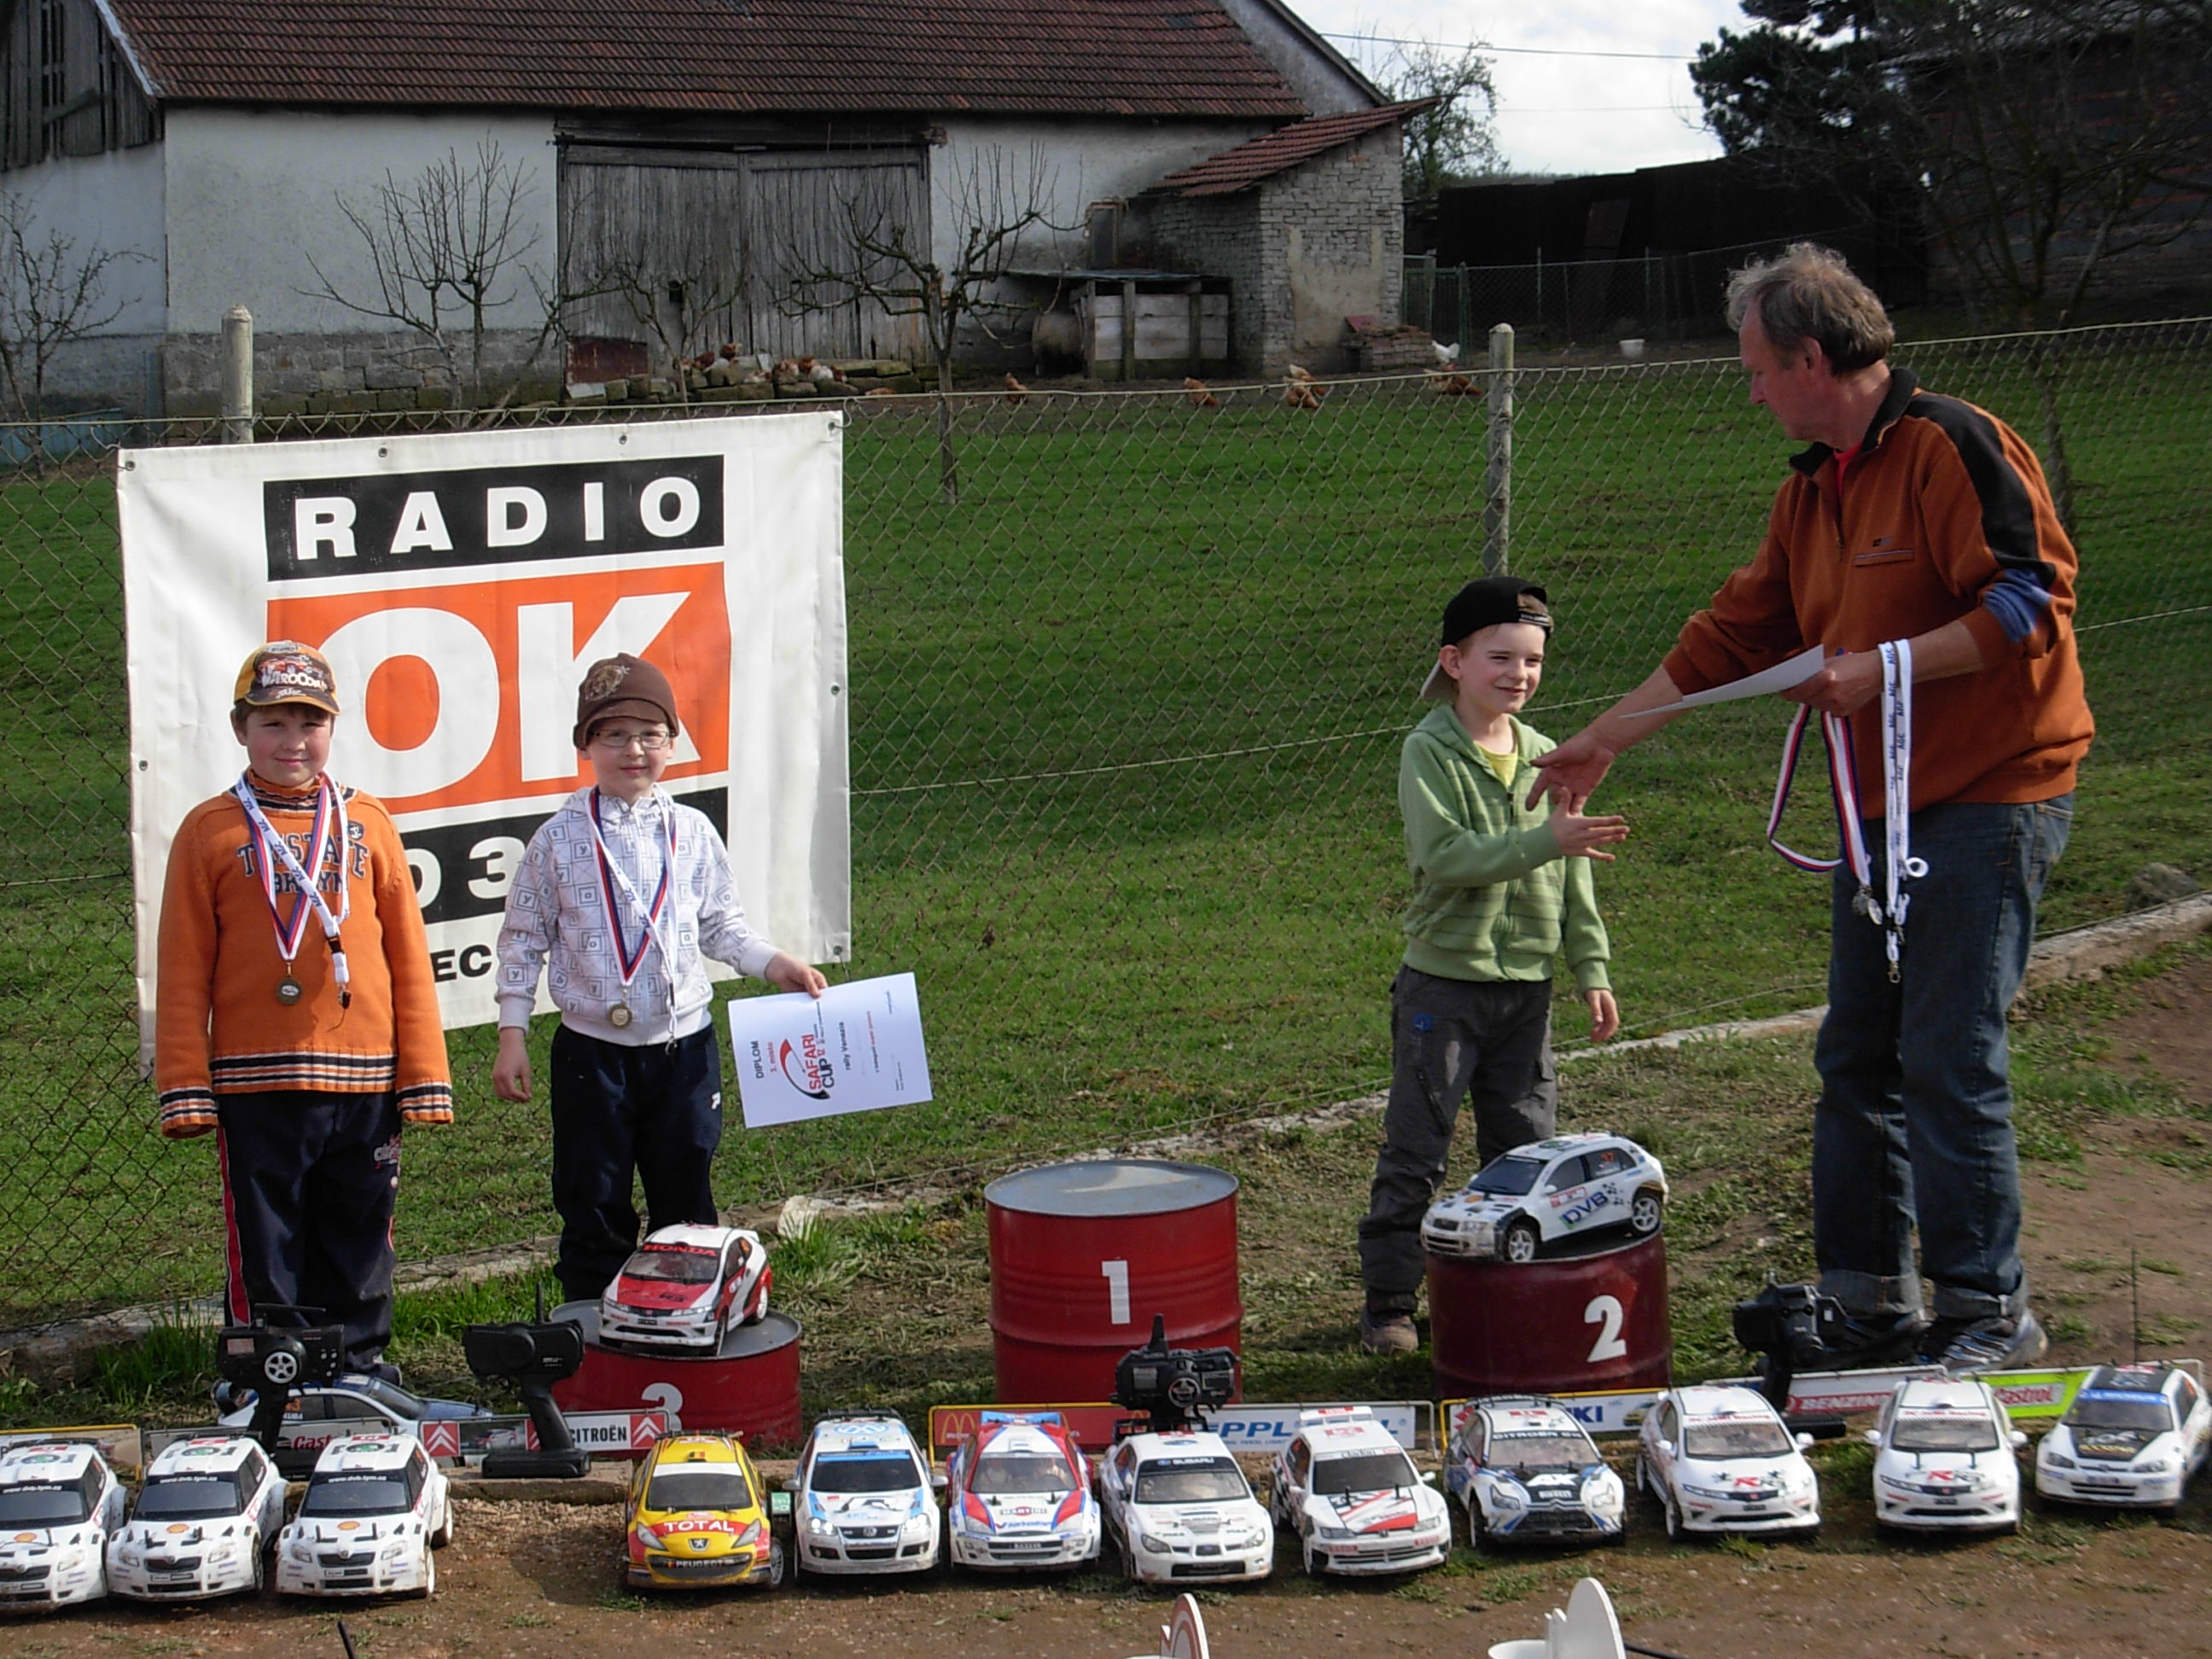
{"points": [[1605, 1311], [1116, 1274]]}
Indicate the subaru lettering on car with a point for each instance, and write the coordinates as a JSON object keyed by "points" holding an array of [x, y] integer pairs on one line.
{"points": [[1527, 1472], [1183, 1510]]}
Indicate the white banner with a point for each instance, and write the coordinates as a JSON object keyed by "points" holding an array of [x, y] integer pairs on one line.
{"points": [[460, 584]]}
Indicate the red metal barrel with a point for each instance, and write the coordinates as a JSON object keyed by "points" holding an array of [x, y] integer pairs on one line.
{"points": [[750, 1388], [1083, 1254], [1561, 1326]]}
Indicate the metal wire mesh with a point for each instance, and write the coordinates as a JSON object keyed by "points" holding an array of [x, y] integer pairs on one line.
{"points": [[1128, 682]]}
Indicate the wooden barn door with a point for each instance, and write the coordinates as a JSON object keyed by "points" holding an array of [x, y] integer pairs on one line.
{"points": [[700, 247]]}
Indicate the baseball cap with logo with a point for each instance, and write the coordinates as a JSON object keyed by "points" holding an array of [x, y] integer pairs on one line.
{"points": [[1484, 603], [284, 670]]}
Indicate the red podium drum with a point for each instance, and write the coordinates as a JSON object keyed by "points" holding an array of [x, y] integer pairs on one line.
{"points": [[1568, 1325], [1083, 1255], [750, 1388]]}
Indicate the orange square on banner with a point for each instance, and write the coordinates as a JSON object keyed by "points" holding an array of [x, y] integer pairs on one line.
{"points": [[462, 695]]}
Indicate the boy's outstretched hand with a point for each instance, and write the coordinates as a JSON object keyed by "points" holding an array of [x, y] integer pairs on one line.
{"points": [[1581, 837], [510, 1067], [787, 973], [1604, 1014]]}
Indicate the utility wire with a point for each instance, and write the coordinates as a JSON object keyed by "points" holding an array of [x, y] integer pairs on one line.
{"points": [[1518, 51]]}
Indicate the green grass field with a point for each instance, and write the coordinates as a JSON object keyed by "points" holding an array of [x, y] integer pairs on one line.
{"points": [[1125, 730]]}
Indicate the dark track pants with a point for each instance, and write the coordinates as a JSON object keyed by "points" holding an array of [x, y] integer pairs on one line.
{"points": [[309, 1181], [1487, 1041], [654, 1111]]}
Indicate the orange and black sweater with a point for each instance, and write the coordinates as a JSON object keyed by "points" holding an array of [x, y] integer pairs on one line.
{"points": [[1943, 514], [219, 1028]]}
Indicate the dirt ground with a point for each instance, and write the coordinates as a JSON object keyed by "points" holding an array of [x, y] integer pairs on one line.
{"points": [[2118, 1244]]}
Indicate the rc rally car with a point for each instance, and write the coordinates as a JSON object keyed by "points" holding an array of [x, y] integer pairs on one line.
{"points": [[685, 1287], [1944, 1458], [1346, 1490], [1718, 1459], [1526, 1473], [2132, 1438], [1547, 1193], [696, 1517], [206, 1517], [1183, 1510], [375, 1509], [1017, 1494], [58, 1502], [864, 1502]]}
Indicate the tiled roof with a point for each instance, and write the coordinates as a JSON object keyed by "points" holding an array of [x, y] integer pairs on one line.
{"points": [[1280, 150], [1166, 57]]}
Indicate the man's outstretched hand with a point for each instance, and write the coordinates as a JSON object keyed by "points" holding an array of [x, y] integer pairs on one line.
{"points": [[1569, 773]]}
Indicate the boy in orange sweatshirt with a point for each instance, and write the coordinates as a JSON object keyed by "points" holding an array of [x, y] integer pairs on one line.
{"points": [[295, 1013]]}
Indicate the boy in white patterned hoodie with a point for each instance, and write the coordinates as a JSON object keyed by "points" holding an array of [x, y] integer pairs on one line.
{"points": [[624, 891]]}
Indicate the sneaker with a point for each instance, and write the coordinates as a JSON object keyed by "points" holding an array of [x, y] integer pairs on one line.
{"points": [[1865, 1341], [1993, 1343], [1388, 1333]]}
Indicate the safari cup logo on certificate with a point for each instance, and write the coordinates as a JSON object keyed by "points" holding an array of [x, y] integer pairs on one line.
{"points": [[859, 1048]]}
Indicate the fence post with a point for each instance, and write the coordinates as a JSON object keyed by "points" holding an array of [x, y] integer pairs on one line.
{"points": [[1497, 509], [238, 375]]}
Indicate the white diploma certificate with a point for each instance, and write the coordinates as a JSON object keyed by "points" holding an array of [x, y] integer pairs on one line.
{"points": [[1796, 671], [858, 1048]]}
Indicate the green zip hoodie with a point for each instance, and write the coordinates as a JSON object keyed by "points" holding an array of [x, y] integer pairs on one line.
{"points": [[1492, 899]]}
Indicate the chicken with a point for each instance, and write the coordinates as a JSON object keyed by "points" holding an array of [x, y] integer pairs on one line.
{"points": [[1200, 395], [1015, 392]]}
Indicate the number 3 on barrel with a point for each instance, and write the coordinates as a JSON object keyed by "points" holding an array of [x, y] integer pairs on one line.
{"points": [[1116, 1274], [1605, 1311]]}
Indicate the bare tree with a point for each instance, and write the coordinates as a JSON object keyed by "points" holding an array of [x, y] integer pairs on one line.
{"points": [[53, 290], [690, 294], [993, 211], [448, 250]]}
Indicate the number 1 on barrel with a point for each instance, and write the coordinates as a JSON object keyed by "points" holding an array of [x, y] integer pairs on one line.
{"points": [[1116, 1274]]}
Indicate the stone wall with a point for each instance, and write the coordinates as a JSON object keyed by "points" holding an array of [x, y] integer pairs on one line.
{"points": [[352, 374], [1217, 236]]}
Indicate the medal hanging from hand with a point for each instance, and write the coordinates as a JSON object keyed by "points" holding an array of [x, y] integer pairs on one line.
{"points": [[614, 890], [272, 852]]}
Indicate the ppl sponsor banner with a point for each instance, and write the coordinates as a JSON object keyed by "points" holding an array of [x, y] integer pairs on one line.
{"points": [[1248, 1428], [459, 585]]}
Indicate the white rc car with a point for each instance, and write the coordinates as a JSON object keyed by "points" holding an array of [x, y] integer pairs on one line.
{"points": [[1184, 1509], [58, 1502], [1017, 1494], [2132, 1438], [206, 1517], [1346, 1490], [685, 1286], [1527, 1473], [1718, 1459], [864, 1500], [1566, 1187], [1944, 1458], [375, 1509]]}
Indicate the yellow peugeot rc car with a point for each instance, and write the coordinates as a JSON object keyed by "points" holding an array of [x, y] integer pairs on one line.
{"points": [[698, 1515]]}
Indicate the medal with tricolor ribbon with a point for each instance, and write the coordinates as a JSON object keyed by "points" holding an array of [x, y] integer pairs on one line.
{"points": [[271, 853], [1886, 912], [615, 888]]}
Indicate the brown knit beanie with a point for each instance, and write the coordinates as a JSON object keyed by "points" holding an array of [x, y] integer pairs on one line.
{"points": [[624, 685]]}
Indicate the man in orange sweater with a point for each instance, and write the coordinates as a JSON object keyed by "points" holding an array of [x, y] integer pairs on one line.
{"points": [[295, 1013], [1919, 521]]}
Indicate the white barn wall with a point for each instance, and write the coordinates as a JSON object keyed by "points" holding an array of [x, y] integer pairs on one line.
{"points": [[252, 195], [110, 202]]}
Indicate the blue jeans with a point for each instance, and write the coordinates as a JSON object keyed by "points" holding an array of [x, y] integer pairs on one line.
{"points": [[1915, 1118]]}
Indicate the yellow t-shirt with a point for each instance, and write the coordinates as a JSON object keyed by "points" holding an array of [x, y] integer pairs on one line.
{"points": [[1505, 765]]}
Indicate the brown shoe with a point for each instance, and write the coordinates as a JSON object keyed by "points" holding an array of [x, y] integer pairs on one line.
{"points": [[1388, 1333]]}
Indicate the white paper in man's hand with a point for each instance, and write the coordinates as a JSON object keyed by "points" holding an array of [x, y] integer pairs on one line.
{"points": [[856, 1049], [1765, 684]]}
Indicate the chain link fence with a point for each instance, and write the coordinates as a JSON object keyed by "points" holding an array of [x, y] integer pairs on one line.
{"points": [[1128, 687]]}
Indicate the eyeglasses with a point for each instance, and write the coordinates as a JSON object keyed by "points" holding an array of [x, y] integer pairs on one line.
{"points": [[651, 742]]}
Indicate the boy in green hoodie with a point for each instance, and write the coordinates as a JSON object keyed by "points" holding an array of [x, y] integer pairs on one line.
{"points": [[1499, 892]]}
